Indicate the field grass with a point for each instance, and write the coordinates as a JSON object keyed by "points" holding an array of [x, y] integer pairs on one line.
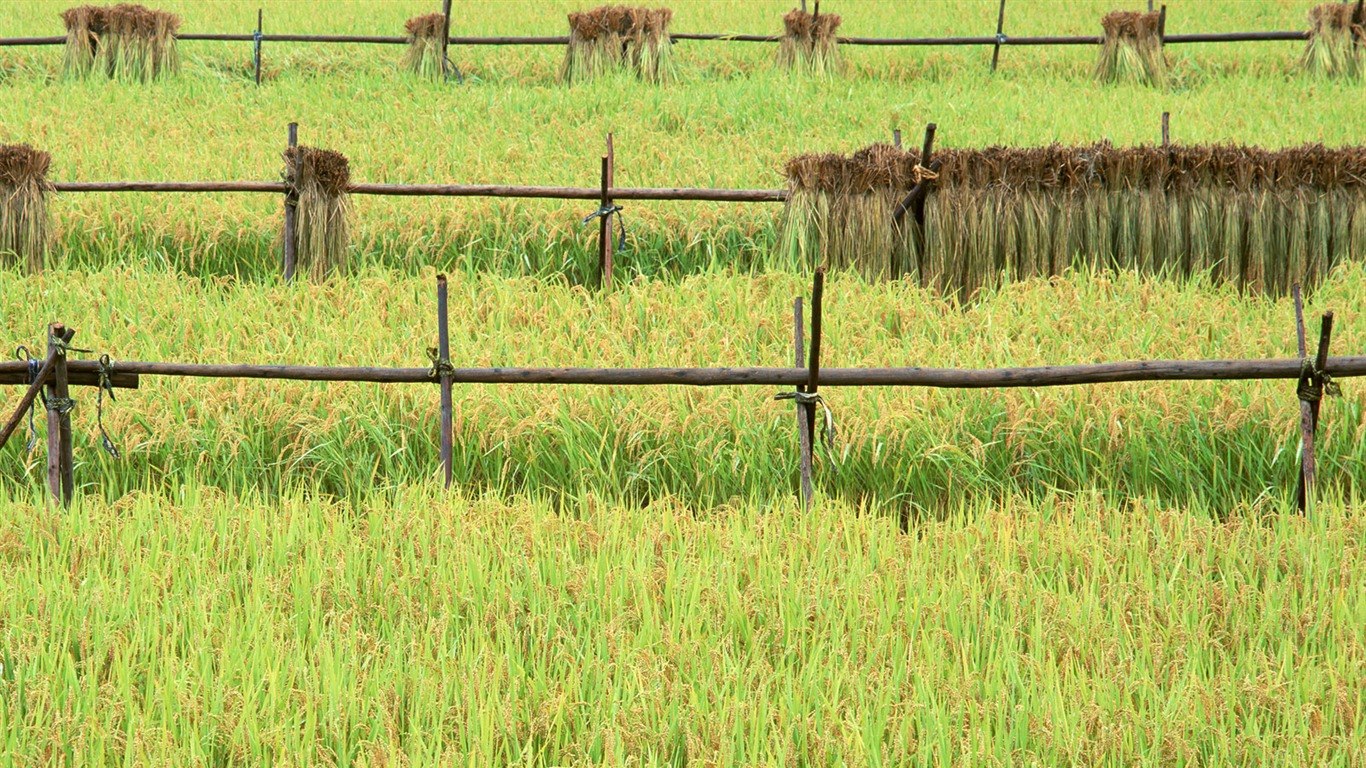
{"points": [[195, 629], [730, 121], [270, 575]]}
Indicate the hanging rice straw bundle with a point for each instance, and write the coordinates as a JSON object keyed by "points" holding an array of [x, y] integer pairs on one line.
{"points": [[1337, 33], [1261, 220], [1132, 50], [85, 25], [425, 36], [23, 205], [809, 43], [319, 180], [124, 42], [614, 38]]}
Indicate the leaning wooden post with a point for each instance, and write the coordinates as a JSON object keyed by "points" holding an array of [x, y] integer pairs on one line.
{"points": [[443, 342], [1000, 36], [291, 206], [918, 205], [803, 427], [814, 366], [445, 39], [257, 46], [1309, 389], [605, 219], [61, 481]]}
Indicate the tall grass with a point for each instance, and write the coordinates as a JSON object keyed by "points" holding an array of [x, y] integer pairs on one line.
{"points": [[907, 452]]}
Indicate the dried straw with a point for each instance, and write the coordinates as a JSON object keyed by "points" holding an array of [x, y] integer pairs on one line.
{"points": [[425, 36], [1337, 32], [1259, 219], [809, 43], [319, 179], [23, 205], [1132, 51], [124, 42], [615, 38]]}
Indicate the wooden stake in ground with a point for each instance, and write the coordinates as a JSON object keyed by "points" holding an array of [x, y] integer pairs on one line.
{"points": [[443, 369], [291, 212], [605, 218], [257, 46], [1000, 35], [61, 480], [1309, 389], [445, 45], [814, 367], [803, 428]]}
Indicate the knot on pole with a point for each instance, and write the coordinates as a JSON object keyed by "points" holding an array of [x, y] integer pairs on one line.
{"points": [[34, 367], [106, 384], [59, 405], [440, 365], [62, 348], [921, 173], [827, 426], [606, 212], [1000, 38], [1315, 384]]}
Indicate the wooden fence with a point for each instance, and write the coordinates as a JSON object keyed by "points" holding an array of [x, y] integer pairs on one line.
{"points": [[53, 377]]}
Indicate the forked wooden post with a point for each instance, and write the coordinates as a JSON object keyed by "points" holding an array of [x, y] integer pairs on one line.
{"points": [[1000, 35], [256, 46], [605, 219], [1309, 390], [291, 213], [803, 428], [61, 481], [445, 39], [443, 342]]}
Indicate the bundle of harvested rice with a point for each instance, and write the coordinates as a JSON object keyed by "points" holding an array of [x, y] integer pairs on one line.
{"points": [[809, 43], [1132, 51], [425, 36], [616, 37], [319, 180], [1262, 220], [23, 205], [124, 42], [1337, 33]]}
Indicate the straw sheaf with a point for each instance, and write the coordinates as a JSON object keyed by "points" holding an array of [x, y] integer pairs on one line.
{"points": [[90, 19], [1130, 25], [1335, 17], [21, 164], [326, 168], [429, 25], [140, 21], [880, 167], [804, 26], [619, 20]]}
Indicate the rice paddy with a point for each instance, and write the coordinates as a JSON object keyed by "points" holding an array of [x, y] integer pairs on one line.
{"points": [[270, 573]]}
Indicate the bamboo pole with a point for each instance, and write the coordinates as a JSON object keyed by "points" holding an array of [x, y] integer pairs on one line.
{"points": [[803, 428], [30, 395], [942, 378], [291, 216], [60, 477], [444, 357]]}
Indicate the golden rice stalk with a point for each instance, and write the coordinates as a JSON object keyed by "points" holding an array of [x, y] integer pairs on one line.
{"points": [[84, 26], [319, 180], [616, 38], [23, 206], [124, 42], [425, 36], [1337, 33], [1132, 50], [809, 43]]}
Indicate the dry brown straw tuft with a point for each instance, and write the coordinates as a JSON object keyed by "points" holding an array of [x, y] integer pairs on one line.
{"points": [[23, 205], [320, 180], [619, 38], [126, 42], [1132, 49], [809, 43], [425, 37], [1337, 34]]}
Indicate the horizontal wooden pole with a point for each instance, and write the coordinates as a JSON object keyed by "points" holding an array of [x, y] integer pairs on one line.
{"points": [[1235, 37], [76, 378], [442, 190], [949, 378]]}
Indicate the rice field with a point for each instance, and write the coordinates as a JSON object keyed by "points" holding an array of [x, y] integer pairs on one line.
{"points": [[270, 572]]}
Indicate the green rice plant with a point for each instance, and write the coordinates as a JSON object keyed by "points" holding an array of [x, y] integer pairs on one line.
{"points": [[1337, 32], [1132, 50], [426, 35], [810, 44], [23, 206], [616, 38], [319, 180]]}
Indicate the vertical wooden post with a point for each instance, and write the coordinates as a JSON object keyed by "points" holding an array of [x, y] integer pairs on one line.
{"points": [[257, 46], [443, 342], [61, 481], [803, 427], [1166, 130], [1309, 390], [1162, 26], [605, 220], [291, 213], [896, 138], [814, 364], [1000, 35], [918, 205], [445, 39]]}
